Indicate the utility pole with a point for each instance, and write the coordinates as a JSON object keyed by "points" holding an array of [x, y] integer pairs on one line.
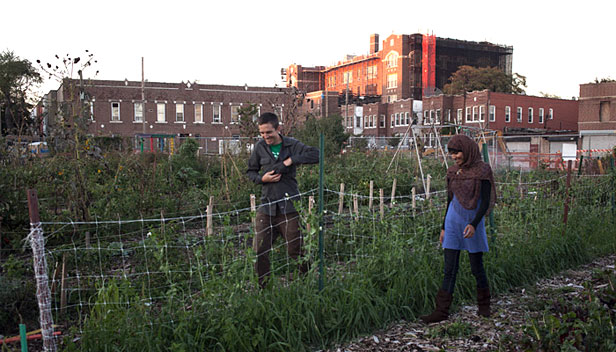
{"points": [[142, 97]]}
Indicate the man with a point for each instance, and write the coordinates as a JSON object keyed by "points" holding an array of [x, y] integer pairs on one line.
{"points": [[272, 164]]}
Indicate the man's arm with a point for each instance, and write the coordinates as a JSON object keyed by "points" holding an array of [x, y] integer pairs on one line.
{"points": [[254, 167], [303, 154]]}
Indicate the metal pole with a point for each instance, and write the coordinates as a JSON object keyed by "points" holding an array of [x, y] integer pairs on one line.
{"points": [[486, 158], [321, 270]]}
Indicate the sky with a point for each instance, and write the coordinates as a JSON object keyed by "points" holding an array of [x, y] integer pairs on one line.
{"points": [[557, 46]]}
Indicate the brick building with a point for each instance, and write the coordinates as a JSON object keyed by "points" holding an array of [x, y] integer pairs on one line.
{"points": [[406, 66], [597, 118], [186, 109]]}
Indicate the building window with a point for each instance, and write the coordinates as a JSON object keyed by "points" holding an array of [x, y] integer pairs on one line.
{"points": [[482, 113], [392, 59], [392, 120], [448, 115], [372, 71], [431, 116], [92, 110], [216, 113], [347, 77], [407, 118], [358, 121], [459, 117], [115, 111], [507, 113], [519, 117], [199, 113], [392, 80], [438, 116], [278, 112], [160, 112], [492, 113], [540, 115], [235, 113], [138, 112], [551, 113], [530, 115], [366, 122], [604, 111], [475, 116], [468, 114], [382, 121], [179, 112]]}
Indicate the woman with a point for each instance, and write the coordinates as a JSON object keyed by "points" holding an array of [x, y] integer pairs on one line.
{"points": [[470, 196]]}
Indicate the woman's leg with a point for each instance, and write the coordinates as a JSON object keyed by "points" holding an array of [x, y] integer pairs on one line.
{"points": [[452, 260], [477, 269]]}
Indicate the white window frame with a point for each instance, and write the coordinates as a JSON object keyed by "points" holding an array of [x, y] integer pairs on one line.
{"points": [[392, 80], [507, 114], [179, 113], [235, 109], [541, 115], [475, 114], [114, 117], [198, 113], [136, 107], [437, 117], [551, 113], [161, 111], [482, 113], [492, 113], [407, 118], [366, 121], [92, 110], [468, 117], [216, 113], [382, 121], [519, 114], [392, 120], [530, 115], [459, 117]]}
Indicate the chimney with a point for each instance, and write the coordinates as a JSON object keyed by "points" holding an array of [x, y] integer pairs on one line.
{"points": [[374, 43]]}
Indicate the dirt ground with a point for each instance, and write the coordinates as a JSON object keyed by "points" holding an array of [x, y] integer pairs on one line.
{"points": [[465, 331]]}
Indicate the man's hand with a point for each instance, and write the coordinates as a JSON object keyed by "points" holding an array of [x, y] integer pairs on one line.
{"points": [[469, 231], [288, 161], [270, 176]]}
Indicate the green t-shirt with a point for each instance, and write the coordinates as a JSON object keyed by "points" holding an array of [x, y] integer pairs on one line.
{"points": [[276, 149]]}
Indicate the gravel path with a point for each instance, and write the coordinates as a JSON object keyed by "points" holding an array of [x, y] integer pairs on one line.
{"points": [[465, 331]]}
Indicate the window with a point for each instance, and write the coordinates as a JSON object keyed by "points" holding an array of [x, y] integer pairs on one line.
{"points": [[235, 113], [278, 112], [492, 113], [372, 72], [382, 121], [551, 113], [179, 112], [392, 80], [431, 116], [519, 117], [198, 113], [348, 77], [397, 119], [138, 112], [438, 116], [407, 118], [392, 59], [392, 120], [448, 115], [604, 111], [468, 114], [366, 122], [530, 115], [425, 117], [216, 113], [459, 117], [507, 113], [392, 98], [358, 121], [482, 113], [160, 112], [115, 111], [475, 116], [92, 110], [540, 115]]}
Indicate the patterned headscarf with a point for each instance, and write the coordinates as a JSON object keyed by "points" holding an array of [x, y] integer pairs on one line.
{"points": [[465, 181]]}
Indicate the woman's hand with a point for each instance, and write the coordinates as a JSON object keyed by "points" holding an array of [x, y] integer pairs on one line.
{"points": [[469, 231], [442, 236]]}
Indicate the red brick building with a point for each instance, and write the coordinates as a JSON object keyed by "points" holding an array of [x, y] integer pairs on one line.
{"points": [[597, 118], [406, 66]]}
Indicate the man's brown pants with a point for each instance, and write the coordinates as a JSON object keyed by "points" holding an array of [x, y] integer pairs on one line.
{"points": [[287, 226]]}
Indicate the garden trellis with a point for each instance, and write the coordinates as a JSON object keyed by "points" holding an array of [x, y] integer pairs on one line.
{"points": [[133, 271]]}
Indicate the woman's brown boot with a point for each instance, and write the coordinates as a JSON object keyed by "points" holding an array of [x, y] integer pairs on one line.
{"points": [[441, 312], [483, 301]]}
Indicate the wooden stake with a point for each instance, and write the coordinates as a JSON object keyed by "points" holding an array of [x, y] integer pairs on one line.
{"points": [[382, 204], [253, 215], [210, 230], [341, 199], [428, 188], [393, 193], [88, 239], [310, 206], [413, 193], [370, 200], [356, 206], [63, 285]]}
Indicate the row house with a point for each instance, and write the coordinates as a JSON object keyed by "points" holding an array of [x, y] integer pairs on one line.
{"points": [[597, 118]]}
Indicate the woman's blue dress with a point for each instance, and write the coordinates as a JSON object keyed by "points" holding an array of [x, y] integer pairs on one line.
{"points": [[456, 220]]}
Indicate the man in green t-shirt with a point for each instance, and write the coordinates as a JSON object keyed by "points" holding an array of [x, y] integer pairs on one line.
{"points": [[272, 164]]}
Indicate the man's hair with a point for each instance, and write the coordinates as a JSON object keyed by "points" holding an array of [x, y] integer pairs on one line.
{"points": [[268, 117]]}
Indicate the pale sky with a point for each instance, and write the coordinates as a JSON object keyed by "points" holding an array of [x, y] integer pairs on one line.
{"points": [[556, 45]]}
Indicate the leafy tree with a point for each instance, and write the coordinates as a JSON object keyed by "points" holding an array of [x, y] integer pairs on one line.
{"points": [[17, 78], [247, 120], [603, 80], [468, 79], [333, 130], [549, 95]]}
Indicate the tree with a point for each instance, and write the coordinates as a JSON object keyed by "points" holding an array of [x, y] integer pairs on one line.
{"points": [[333, 131], [549, 95], [247, 120], [468, 79], [17, 80]]}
